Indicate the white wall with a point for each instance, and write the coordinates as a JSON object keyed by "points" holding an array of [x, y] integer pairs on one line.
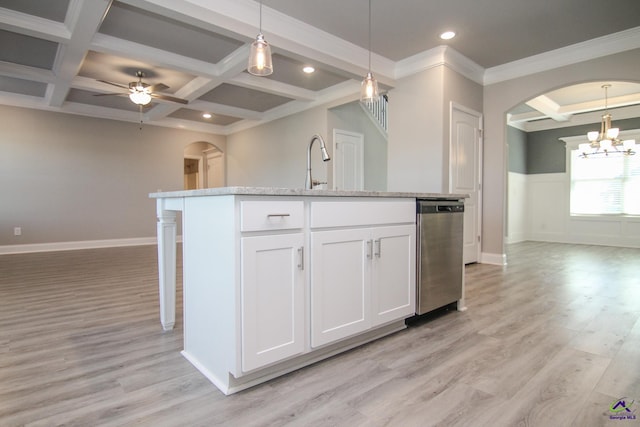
{"points": [[545, 215], [518, 220], [66, 178]]}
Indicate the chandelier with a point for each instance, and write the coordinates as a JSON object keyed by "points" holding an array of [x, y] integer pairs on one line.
{"points": [[606, 142]]}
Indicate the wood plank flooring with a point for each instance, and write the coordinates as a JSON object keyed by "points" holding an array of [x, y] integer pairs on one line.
{"points": [[552, 339]]}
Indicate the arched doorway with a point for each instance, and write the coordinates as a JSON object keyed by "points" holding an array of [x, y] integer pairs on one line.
{"points": [[539, 158], [204, 166]]}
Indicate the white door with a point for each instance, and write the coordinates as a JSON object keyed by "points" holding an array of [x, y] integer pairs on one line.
{"points": [[348, 160], [393, 277], [272, 292], [340, 274], [466, 172], [215, 170]]}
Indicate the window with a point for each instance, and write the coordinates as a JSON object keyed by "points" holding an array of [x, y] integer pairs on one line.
{"points": [[605, 185]]}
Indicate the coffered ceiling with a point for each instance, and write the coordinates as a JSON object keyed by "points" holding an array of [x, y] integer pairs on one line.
{"points": [[57, 54]]}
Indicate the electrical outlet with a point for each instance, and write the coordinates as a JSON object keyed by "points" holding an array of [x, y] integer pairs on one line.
{"points": [[17, 231]]}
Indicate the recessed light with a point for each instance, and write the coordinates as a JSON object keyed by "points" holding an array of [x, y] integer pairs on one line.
{"points": [[447, 35], [206, 115], [308, 69]]}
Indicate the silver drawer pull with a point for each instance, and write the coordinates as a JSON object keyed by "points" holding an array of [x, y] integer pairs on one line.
{"points": [[278, 215], [301, 258]]}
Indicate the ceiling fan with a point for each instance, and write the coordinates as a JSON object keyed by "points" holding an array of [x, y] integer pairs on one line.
{"points": [[141, 93]]}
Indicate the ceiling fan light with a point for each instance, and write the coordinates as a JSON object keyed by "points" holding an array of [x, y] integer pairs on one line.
{"points": [[260, 63], [140, 98]]}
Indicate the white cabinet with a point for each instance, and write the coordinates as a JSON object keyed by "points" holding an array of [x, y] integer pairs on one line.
{"points": [[393, 276], [272, 284], [340, 289], [360, 277], [272, 299]]}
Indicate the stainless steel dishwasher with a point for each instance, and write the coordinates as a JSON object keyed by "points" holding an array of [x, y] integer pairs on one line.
{"points": [[439, 253]]}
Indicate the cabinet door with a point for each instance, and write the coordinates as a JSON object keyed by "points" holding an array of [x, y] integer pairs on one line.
{"points": [[272, 299], [393, 277], [340, 290]]}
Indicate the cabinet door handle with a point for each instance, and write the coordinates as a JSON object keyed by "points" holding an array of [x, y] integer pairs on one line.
{"points": [[369, 249], [301, 257], [378, 244], [278, 215]]}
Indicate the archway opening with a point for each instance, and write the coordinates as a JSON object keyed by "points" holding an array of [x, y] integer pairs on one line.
{"points": [[204, 166]]}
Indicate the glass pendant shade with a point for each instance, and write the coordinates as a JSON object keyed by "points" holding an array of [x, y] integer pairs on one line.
{"points": [[369, 88], [612, 133], [140, 98], [593, 135], [260, 63], [584, 148], [605, 144], [629, 144]]}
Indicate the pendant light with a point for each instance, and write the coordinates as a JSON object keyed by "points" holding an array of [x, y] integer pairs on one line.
{"points": [[260, 57], [606, 142], [369, 86]]}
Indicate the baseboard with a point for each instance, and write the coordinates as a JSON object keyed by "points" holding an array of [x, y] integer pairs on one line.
{"points": [[495, 259], [70, 246]]}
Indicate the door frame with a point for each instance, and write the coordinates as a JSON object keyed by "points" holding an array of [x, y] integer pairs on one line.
{"points": [[453, 106], [201, 171]]}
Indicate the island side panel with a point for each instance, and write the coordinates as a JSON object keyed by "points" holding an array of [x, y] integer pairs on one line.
{"points": [[209, 286], [166, 211]]}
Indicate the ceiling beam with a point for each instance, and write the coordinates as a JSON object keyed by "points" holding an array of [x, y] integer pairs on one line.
{"points": [[548, 107], [83, 20]]}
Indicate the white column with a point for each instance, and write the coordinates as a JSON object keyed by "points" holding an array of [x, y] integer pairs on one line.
{"points": [[167, 265]]}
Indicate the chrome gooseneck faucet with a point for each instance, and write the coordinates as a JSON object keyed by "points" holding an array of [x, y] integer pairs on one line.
{"points": [[308, 184]]}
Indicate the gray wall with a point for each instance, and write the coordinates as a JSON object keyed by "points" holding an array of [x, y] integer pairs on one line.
{"points": [[275, 154], [547, 154], [517, 141], [66, 178]]}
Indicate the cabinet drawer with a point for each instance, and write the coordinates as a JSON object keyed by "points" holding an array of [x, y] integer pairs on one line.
{"points": [[358, 213], [271, 215]]}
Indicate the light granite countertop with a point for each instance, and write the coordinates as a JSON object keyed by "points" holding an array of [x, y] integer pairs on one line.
{"points": [[271, 191]]}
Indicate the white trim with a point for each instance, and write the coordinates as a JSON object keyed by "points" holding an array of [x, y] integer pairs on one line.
{"points": [[70, 246], [494, 259], [440, 55]]}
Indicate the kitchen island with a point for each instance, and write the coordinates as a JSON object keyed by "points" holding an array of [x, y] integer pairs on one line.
{"points": [[275, 279]]}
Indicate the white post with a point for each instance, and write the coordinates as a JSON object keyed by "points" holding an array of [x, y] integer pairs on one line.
{"points": [[167, 265]]}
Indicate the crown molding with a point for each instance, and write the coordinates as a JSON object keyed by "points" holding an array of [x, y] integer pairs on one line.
{"points": [[439, 56], [568, 55]]}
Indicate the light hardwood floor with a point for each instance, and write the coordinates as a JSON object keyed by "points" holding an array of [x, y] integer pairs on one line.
{"points": [[552, 339]]}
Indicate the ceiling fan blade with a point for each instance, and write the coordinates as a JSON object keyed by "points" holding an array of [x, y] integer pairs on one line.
{"points": [[158, 87], [109, 94], [169, 98], [114, 84]]}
